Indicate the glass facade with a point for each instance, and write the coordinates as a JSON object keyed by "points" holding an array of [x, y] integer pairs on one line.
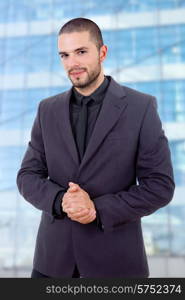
{"points": [[146, 51]]}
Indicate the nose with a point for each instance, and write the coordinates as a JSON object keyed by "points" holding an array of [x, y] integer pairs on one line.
{"points": [[72, 62]]}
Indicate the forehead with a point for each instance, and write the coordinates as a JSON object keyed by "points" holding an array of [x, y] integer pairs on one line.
{"points": [[71, 41]]}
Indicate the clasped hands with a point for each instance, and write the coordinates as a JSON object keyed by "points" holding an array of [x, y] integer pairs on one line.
{"points": [[78, 205]]}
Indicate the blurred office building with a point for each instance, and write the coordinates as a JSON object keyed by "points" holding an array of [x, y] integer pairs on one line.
{"points": [[146, 42]]}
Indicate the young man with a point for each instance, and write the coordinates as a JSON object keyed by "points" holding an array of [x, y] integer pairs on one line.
{"points": [[98, 161]]}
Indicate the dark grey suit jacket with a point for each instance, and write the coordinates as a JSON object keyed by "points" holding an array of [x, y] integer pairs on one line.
{"points": [[126, 170]]}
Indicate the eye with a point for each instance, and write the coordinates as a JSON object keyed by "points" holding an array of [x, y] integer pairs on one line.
{"points": [[81, 52], [63, 55]]}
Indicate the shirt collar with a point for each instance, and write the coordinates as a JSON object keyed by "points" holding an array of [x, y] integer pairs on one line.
{"points": [[97, 95]]}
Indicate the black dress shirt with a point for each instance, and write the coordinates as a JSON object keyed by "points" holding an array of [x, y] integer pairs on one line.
{"points": [[94, 107]]}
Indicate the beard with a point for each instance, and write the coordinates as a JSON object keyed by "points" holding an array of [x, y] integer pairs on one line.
{"points": [[89, 79]]}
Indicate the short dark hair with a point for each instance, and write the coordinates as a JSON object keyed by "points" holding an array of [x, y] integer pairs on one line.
{"points": [[83, 24]]}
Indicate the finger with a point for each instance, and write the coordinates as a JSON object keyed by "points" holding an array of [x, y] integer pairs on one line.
{"points": [[70, 210], [73, 183], [69, 201], [75, 204], [86, 221], [74, 209], [79, 214], [87, 217], [73, 187], [78, 206], [65, 206]]}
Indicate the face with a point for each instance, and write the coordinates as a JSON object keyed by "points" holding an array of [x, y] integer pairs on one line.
{"points": [[81, 58]]}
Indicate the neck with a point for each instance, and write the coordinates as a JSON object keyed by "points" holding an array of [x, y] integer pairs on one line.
{"points": [[92, 87]]}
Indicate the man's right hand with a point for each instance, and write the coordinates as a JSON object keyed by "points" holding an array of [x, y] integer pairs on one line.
{"points": [[77, 210]]}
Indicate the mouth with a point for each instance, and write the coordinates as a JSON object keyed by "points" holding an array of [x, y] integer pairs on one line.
{"points": [[77, 73]]}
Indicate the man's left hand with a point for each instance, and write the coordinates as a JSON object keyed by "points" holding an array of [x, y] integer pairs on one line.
{"points": [[78, 205]]}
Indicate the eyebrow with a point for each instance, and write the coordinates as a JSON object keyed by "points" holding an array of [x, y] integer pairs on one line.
{"points": [[76, 50]]}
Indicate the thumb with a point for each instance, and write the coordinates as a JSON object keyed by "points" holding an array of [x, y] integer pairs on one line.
{"points": [[73, 187]]}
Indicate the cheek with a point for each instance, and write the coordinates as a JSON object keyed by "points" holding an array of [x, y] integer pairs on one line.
{"points": [[91, 64], [64, 65]]}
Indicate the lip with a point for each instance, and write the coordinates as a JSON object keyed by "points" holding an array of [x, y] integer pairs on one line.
{"points": [[77, 73]]}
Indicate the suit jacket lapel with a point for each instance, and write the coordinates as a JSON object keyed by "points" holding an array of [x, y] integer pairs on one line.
{"points": [[112, 107], [63, 118]]}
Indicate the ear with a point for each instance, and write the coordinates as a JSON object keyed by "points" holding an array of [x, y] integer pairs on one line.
{"points": [[103, 52]]}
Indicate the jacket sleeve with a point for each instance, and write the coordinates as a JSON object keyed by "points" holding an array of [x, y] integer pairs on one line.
{"points": [[57, 207], [154, 177], [33, 181]]}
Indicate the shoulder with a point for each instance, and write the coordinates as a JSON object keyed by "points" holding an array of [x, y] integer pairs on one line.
{"points": [[140, 99], [53, 101], [135, 94], [132, 96]]}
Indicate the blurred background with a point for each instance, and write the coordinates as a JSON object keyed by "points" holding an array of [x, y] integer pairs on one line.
{"points": [[146, 42]]}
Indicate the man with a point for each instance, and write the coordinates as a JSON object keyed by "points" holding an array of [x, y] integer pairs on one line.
{"points": [[98, 161]]}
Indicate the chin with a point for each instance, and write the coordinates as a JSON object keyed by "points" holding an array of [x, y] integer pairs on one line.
{"points": [[80, 84]]}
